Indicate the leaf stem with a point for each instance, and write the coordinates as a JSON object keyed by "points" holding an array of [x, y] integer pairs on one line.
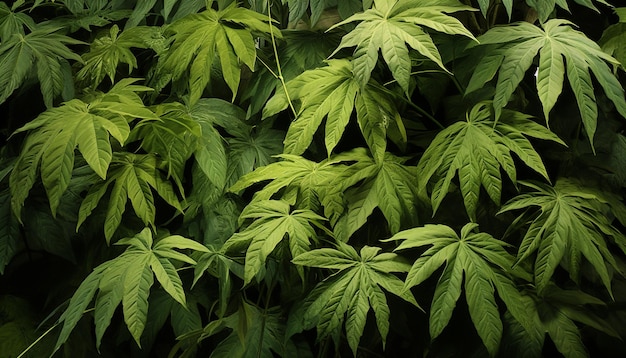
{"points": [[38, 339], [280, 72]]}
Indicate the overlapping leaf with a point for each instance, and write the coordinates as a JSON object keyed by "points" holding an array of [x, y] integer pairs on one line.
{"points": [[107, 52], [613, 40], [479, 259], [352, 196], [127, 279], [12, 22], [56, 133], [545, 8], [273, 220], [132, 177], [486, 5], [43, 52], [390, 26], [570, 223], [199, 39], [174, 137], [518, 45], [478, 148], [356, 287], [333, 93], [307, 177]]}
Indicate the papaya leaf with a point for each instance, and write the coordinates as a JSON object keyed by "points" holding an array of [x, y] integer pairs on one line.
{"points": [[308, 177], [356, 287], [133, 177], [107, 52], [127, 279], [56, 133], [198, 39], [478, 148], [43, 51], [570, 222], [354, 193], [272, 221], [390, 26], [518, 45], [174, 137], [12, 22], [332, 92], [484, 263], [613, 40]]}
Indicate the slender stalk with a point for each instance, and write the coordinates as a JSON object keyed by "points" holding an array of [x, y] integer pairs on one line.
{"points": [[280, 71], [38, 339]]}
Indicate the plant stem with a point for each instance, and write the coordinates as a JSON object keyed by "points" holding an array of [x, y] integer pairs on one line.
{"points": [[280, 71]]}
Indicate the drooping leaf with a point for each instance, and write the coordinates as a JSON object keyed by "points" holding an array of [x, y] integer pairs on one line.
{"points": [[478, 148], [43, 51], [107, 52], [127, 279], [476, 257], [518, 45], [356, 287], [133, 177], [613, 40], [56, 133], [545, 8], [198, 39], [333, 93], [390, 26], [273, 221], [570, 222]]}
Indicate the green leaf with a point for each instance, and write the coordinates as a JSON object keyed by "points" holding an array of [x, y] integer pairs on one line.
{"points": [[273, 220], [9, 231], [478, 257], [519, 44], [478, 148], [127, 279], [566, 208], [390, 27], [133, 176], [352, 290], [197, 38], [56, 133], [41, 51], [613, 40]]}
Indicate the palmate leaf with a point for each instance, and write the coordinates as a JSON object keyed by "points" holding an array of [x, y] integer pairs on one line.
{"points": [[518, 45], [297, 9], [12, 22], [332, 92], [127, 279], [478, 148], [56, 133], [273, 220], [353, 289], [570, 223], [484, 263], [174, 137], [107, 52], [613, 40], [354, 193], [199, 39], [307, 177], [545, 8], [133, 177], [43, 52], [390, 26], [485, 6]]}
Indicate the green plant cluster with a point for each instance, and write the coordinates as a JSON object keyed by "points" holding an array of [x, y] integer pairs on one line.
{"points": [[312, 178]]}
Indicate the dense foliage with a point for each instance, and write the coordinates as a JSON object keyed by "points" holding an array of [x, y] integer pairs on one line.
{"points": [[312, 178]]}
